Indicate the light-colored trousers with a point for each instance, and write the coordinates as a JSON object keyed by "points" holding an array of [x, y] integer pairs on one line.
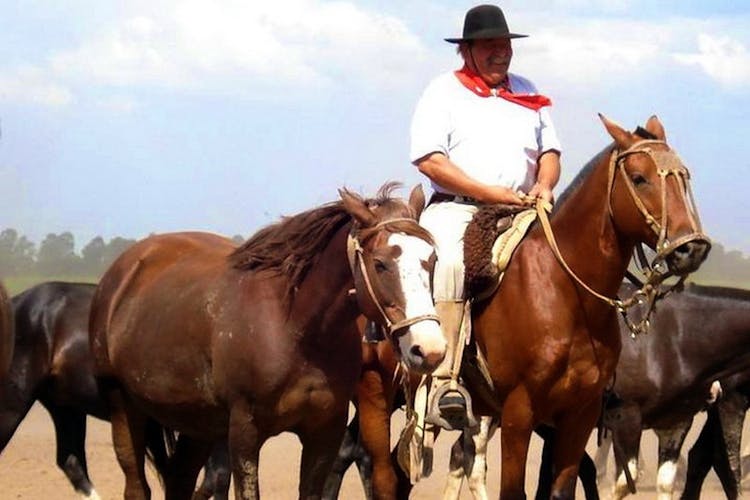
{"points": [[447, 222]]}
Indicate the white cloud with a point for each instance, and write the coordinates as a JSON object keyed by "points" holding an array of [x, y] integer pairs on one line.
{"points": [[603, 51], [32, 85], [233, 44], [722, 58]]}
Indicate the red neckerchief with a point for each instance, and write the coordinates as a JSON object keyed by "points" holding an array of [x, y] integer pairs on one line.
{"points": [[474, 82]]}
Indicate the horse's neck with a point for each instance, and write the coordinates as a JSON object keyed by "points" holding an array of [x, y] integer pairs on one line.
{"points": [[323, 299], [587, 237]]}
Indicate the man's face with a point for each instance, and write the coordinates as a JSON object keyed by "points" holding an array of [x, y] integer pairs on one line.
{"points": [[492, 58]]}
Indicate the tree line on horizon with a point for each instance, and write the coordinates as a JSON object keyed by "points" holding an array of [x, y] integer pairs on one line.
{"points": [[56, 255]]}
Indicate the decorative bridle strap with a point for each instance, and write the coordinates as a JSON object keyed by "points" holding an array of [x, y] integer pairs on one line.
{"points": [[667, 163], [355, 253]]}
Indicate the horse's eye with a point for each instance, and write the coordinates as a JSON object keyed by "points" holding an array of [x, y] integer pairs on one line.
{"points": [[380, 266], [638, 179]]}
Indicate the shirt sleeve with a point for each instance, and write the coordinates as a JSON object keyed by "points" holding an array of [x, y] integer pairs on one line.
{"points": [[547, 136], [430, 125]]}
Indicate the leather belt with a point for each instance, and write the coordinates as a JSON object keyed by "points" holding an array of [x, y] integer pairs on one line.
{"points": [[438, 197]]}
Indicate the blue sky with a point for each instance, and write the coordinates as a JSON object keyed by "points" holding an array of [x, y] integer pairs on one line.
{"points": [[126, 118]]}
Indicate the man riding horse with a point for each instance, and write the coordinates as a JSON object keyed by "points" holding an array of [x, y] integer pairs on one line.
{"points": [[481, 135]]}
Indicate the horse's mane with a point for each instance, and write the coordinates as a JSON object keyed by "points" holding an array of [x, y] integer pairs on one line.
{"points": [[582, 176], [291, 246], [719, 292]]}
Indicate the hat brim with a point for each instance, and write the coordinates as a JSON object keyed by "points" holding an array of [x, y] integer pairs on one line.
{"points": [[484, 35]]}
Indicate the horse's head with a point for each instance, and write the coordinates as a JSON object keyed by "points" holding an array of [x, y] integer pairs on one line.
{"points": [[650, 198], [392, 259]]}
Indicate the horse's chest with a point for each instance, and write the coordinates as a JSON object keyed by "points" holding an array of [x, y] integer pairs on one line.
{"points": [[309, 396]]}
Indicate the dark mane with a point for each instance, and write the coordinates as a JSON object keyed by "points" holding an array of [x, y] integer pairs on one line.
{"points": [[581, 176], [291, 246], [719, 292]]}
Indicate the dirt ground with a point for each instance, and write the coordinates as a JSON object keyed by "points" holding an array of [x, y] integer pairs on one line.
{"points": [[28, 470]]}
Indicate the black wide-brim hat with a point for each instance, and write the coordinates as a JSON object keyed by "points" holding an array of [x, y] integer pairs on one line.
{"points": [[485, 21]]}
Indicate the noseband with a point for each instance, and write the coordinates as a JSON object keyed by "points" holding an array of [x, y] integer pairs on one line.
{"points": [[667, 163], [355, 253]]}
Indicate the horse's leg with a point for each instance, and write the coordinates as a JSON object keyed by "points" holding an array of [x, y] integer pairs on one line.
{"points": [[700, 457], [17, 390], [727, 462], [670, 444], [586, 470], [216, 477], [475, 456], [364, 466], [344, 459], [456, 474], [587, 473], [544, 483], [626, 444], [319, 448], [244, 451], [573, 432], [189, 457], [70, 433], [517, 426], [601, 459], [375, 430], [128, 438], [14, 405]]}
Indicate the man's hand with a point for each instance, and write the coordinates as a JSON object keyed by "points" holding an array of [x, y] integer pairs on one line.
{"points": [[543, 192], [500, 194]]}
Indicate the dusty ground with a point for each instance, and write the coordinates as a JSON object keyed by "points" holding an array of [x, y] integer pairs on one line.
{"points": [[28, 470]]}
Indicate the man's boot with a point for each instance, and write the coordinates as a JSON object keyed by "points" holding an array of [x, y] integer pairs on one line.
{"points": [[450, 405]]}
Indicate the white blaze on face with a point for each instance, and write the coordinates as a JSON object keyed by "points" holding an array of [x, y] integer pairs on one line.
{"points": [[415, 285]]}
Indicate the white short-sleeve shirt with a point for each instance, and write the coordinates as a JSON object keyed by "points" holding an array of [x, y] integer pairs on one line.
{"points": [[491, 139]]}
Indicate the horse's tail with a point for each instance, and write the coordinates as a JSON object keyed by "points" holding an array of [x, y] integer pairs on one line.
{"points": [[7, 332], [160, 447]]}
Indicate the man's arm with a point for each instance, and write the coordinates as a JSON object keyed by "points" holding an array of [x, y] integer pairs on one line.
{"points": [[443, 172], [547, 175]]}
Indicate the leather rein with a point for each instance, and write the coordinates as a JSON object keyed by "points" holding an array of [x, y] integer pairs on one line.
{"points": [[355, 253], [667, 163]]}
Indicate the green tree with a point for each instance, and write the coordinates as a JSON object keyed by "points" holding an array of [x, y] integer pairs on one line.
{"points": [[92, 257], [16, 253], [57, 254]]}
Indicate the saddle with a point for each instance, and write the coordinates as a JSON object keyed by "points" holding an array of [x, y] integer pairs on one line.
{"points": [[489, 242]]}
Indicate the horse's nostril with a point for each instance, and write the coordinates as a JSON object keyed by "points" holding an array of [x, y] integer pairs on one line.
{"points": [[417, 352]]}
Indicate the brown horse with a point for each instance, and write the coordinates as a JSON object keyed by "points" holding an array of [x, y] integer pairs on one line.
{"points": [[218, 342], [550, 344], [6, 332]]}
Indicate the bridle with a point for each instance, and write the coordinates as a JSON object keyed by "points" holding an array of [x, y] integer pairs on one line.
{"points": [[356, 255], [667, 163]]}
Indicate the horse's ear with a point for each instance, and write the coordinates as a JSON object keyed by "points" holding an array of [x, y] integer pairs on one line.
{"points": [[416, 200], [622, 137], [357, 208], [654, 126]]}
